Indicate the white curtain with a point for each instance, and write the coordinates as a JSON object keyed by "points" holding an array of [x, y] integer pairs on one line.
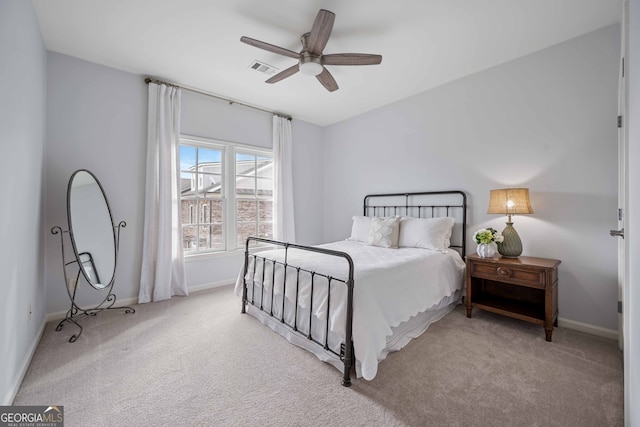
{"points": [[162, 274], [285, 227]]}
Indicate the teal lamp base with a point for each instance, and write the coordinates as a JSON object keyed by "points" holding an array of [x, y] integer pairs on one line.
{"points": [[511, 246]]}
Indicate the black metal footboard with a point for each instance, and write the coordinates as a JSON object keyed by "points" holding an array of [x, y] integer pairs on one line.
{"points": [[346, 348]]}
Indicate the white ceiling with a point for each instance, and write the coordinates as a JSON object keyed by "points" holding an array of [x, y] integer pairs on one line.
{"points": [[424, 43]]}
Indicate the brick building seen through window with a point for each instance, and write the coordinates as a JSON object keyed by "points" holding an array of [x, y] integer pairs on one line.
{"points": [[208, 224]]}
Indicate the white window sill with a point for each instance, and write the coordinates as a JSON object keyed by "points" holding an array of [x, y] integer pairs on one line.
{"points": [[208, 255], [222, 254]]}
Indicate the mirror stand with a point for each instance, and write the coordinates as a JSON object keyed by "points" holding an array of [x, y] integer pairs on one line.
{"points": [[71, 281], [95, 240]]}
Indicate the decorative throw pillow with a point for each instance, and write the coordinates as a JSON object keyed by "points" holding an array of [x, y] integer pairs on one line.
{"points": [[360, 229], [384, 232], [427, 233]]}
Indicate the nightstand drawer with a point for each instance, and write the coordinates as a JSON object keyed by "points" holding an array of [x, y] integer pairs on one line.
{"points": [[510, 274]]}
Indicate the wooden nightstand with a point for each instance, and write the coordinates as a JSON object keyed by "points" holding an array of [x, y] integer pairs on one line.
{"points": [[525, 288]]}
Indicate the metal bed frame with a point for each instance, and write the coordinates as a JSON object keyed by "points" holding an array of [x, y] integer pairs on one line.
{"points": [[346, 354]]}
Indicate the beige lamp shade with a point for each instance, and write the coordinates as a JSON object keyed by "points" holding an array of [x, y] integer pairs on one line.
{"points": [[509, 201]]}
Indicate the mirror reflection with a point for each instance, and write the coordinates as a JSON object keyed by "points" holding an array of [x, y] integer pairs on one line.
{"points": [[91, 229]]}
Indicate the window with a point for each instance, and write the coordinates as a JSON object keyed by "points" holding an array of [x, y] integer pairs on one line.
{"points": [[254, 196], [190, 215], [204, 166], [226, 195], [205, 216]]}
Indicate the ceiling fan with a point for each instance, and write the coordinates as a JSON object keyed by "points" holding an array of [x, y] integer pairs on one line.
{"points": [[311, 60]]}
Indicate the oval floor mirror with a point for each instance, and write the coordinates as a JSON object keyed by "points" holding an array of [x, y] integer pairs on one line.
{"points": [[95, 240]]}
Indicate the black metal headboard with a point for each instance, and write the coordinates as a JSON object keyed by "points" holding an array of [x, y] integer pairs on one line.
{"points": [[428, 204]]}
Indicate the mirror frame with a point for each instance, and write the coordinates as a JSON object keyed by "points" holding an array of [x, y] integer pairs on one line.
{"points": [[78, 256]]}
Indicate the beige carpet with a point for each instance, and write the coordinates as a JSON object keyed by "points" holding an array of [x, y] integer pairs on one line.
{"points": [[196, 360]]}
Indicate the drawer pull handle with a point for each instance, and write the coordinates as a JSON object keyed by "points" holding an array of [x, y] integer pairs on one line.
{"points": [[503, 271]]}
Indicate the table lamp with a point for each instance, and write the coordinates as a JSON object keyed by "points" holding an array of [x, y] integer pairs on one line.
{"points": [[510, 201]]}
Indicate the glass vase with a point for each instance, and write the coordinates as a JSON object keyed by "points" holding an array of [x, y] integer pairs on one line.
{"points": [[486, 250]]}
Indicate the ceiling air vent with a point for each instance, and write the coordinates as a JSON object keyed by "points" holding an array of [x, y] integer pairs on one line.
{"points": [[262, 67]]}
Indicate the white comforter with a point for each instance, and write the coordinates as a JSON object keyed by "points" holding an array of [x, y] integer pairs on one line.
{"points": [[391, 286]]}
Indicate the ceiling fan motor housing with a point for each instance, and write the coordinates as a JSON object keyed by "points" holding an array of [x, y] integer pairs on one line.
{"points": [[310, 65]]}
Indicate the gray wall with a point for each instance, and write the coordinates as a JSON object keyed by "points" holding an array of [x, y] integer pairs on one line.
{"points": [[545, 121], [98, 120], [22, 127]]}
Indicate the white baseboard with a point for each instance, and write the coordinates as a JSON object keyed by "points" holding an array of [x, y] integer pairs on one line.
{"points": [[119, 303], [134, 300], [589, 329], [211, 285], [13, 390]]}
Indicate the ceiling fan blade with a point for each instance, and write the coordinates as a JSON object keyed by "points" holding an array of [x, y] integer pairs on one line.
{"points": [[320, 32], [327, 80], [270, 47], [351, 59], [284, 74]]}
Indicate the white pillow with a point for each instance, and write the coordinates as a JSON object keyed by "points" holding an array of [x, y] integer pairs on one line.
{"points": [[428, 233], [360, 229], [384, 232]]}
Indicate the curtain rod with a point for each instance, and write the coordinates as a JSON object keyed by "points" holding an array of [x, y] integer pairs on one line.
{"points": [[230, 101]]}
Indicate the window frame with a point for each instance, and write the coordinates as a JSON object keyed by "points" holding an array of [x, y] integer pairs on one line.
{"points": [[228, 196]]}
